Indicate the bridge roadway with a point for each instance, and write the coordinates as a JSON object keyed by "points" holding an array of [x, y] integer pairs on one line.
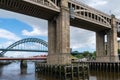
{"points": [[26, 50], [32, 58]]}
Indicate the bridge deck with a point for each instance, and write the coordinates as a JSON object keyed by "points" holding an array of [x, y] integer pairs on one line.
{"points": [[27, 8], [85, 16], [26, 50]]}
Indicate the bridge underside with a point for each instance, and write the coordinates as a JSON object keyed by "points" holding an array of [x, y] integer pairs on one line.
{"points": [[27, 8], [80, 23]]}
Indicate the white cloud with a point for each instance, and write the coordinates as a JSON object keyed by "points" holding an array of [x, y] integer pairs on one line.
{"points": [[6, 44], [96, 3], [81, 38], [39, 26], [9, 38], [106, 6], [37, 31], [8, 35]]}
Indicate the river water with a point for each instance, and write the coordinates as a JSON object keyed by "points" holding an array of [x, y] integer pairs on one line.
{"points": [[13, 72]]}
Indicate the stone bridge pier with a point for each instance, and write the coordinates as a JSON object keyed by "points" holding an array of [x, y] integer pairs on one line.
{"points": [[107, 51], [58, 37]]}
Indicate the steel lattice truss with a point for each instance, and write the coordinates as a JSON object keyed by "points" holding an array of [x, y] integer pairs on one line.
{"points": [[26, 40]]}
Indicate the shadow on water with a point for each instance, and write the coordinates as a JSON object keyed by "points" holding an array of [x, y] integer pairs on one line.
{"points": [[1, 70], [103, 75], [23, 71], [94, 75], [39, 76], [61, 72]]}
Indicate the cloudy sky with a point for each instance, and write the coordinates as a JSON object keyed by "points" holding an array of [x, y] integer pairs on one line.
{"points": [[14, 27]]}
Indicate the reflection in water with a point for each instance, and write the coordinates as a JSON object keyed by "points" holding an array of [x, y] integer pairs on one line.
{"points": [[23, 70], [1, 69], [43, 77], [51, 77], [13, 72], [103, 75]]}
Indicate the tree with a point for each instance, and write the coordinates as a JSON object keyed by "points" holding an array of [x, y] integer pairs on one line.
{"points": [[86, 53], [94, 55], [118, 51], [79, 56]]}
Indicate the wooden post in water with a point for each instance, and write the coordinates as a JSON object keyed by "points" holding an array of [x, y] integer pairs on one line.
{"points": [[23, 64]]}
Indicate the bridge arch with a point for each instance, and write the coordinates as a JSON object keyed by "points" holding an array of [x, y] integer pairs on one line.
{"points": [[96, 14], [35, 40]]}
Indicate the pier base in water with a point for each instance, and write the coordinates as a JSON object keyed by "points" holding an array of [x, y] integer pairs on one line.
{"points": [[63, 72], [103, 66]]}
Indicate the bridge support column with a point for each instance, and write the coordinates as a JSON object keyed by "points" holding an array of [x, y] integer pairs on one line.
{"points": [[112, 45], [58, 37], [100, 46], [111, 53], [23, 64]]}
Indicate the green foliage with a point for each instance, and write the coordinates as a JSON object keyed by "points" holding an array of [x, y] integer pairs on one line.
{"points": [[94, 55], [85, 54], [118, 51], [79, 56]]}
